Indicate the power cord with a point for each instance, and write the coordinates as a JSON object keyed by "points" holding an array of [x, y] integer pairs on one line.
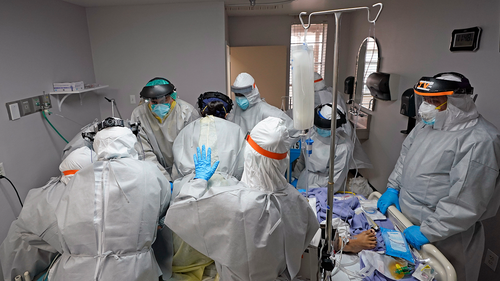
{"points": [[17, 193]]}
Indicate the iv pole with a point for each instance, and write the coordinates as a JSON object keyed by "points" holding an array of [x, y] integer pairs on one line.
{"points": [[325, 258]]}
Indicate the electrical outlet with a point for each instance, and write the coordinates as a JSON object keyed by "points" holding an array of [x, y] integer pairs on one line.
{"points": [[2, 171], [25, 107], [491, 259], [132, 99]]}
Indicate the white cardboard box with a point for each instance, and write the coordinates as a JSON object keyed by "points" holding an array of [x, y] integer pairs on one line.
{"points": [[68, 87]]}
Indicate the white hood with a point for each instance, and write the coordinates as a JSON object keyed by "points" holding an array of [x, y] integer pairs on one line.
{"points": [[115, 142], [245, 80], [76, 160], [261, 172]]}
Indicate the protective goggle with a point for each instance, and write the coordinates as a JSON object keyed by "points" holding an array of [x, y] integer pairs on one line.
{"points": [[242, 90], [158, 100]]}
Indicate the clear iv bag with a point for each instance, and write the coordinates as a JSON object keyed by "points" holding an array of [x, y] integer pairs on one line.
{"points": [[303, 86]]}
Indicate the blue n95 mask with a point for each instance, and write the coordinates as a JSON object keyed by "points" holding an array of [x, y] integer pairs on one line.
{"points": [[242, 102], [160, 109], [323, 132]]}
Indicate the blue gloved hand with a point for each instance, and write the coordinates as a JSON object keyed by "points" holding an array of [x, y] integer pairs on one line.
{"points": [[202, 164], [171, 187], [390, 197], [415, 237]]}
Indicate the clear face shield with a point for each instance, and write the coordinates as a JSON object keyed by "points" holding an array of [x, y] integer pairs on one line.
{"points": [[114, 122], [432, 94]]}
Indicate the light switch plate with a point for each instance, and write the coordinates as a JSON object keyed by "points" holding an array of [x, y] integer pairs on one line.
{"points": [[14, 111]]}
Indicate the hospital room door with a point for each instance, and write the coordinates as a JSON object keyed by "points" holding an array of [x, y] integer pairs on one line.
{"points": [[267, 64]]}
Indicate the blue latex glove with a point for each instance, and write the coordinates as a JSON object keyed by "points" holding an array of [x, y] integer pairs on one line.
{"points": [[203, 164], [171, 187], [415, 237], [390, 197]]}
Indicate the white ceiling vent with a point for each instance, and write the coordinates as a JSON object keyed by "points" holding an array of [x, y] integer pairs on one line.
{"points": [[254, 8]]}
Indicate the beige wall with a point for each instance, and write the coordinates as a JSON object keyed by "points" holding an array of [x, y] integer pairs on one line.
{"points": [[268, 65]]}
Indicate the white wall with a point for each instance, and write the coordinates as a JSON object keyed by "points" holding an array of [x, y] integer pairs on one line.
{"points": [[41, 43], [184, 43], [414, 41]]}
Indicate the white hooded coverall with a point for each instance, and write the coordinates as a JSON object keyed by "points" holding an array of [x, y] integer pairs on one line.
{"points": [[108, 216], [256, 229], [158, 138], [32, 242], [447, 175], [225, 139]]}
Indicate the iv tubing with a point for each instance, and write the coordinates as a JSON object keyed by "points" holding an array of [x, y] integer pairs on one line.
{"points": [[337, 14]]}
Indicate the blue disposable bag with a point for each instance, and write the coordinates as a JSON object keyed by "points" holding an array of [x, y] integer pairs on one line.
{"points": [[395, 245]]}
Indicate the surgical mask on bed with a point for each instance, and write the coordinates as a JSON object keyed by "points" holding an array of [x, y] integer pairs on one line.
{"points": [[323, 132]]}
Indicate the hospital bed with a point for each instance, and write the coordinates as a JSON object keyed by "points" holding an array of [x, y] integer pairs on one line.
{"points": [[310, 263]]}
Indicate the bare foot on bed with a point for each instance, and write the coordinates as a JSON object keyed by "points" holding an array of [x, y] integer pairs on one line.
{"points": [[366, 240]]}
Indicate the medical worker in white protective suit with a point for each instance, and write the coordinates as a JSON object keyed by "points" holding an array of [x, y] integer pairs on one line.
{"points": [[322, 95], [108, 216], [226, 140], [162, 115], [446, 178], [252, 109], [32, 242], [317, 175], [257, 229]]}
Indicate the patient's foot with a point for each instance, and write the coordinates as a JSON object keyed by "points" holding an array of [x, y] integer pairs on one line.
{"points": [[366, 240]]}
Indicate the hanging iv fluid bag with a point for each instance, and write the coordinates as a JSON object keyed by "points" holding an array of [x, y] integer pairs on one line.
{"points": [[303, 86]]}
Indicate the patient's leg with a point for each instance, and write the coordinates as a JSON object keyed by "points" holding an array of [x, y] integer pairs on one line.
{"points": [[366, 240]]}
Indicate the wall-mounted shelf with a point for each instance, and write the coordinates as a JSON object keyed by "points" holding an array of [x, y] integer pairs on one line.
{"points": [[66, 94]]}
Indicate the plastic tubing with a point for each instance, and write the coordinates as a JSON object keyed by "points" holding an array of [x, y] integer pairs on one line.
{"points": [[45, 116]]}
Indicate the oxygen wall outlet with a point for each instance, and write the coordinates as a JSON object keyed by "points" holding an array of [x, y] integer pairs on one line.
{"points": [[132, 99], [2, 171], [20, 108], [491, 259]]}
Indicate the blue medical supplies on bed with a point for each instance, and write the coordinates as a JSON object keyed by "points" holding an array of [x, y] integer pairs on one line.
{"points": [[395, 245]]}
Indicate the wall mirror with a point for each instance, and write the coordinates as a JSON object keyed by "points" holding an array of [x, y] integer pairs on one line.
{"points": [[367, 62]]}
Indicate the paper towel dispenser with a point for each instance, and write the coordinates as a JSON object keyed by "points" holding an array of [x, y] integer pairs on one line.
{"points": [[383, 86]]}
